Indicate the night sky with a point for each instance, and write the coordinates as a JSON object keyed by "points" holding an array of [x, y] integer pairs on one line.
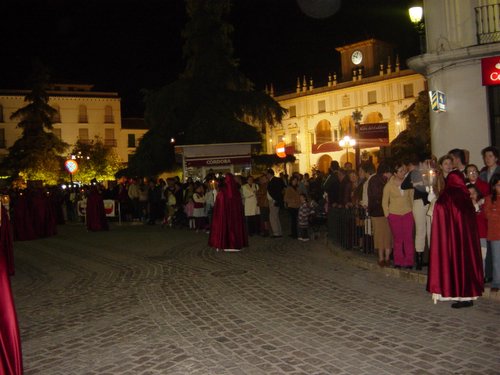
{"points": [[127, 45]]}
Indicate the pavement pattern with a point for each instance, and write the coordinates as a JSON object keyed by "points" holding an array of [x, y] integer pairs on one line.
{"points": [[152, 300]]}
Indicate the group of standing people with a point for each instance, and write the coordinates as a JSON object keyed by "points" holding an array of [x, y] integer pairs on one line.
{"points": [[244, 208], [447, 206]]}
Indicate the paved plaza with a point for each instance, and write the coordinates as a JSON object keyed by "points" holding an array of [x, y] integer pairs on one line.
{"points": [[152, 300]]}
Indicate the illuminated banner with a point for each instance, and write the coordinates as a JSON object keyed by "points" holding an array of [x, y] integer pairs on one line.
{"points": [[373, 135], [216, 161], [378, 130], [490, 68]]}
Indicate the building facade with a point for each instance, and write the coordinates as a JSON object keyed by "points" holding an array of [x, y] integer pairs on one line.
{"points": [[364, 102], [460, 36], [82, 114]]}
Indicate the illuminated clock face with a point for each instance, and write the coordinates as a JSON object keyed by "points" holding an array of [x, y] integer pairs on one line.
{"points": [[356, 57]]}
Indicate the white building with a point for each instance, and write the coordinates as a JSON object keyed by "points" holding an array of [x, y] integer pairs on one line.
{"points": [[371, 84], [460, 35], [82, 114]]}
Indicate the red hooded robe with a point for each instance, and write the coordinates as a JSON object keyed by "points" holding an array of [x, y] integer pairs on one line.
{"points": [[10, 341], [228, 229], [455, 263]]}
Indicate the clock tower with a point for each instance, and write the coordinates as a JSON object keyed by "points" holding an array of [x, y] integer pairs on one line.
{"points": [[366, 55]]}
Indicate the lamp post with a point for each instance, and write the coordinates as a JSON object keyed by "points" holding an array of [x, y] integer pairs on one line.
{"points": [[347, 142], [416, 16], [356, 117]]}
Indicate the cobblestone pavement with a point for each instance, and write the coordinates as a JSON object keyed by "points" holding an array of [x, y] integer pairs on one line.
{"points": [[152, 300]]}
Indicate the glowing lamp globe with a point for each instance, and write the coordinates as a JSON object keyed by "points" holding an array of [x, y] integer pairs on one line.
{"points": [[416, 14], [71, 166]]}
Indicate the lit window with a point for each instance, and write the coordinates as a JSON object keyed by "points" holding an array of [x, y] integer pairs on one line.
{"points": [[372, 97], [109, 137], [408, 90], [82, 114], [83, 135], [321, 106], [295, 142], [108, 115]]}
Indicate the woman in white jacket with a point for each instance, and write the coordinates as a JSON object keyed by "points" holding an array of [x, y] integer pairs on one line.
{"points": [[249, 197]]}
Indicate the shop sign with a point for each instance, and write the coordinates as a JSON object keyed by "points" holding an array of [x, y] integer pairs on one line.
{"points": [[217, 161], [490, 69], [374, 131]]}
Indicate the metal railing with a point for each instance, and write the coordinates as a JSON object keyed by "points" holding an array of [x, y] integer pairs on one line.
{"points": [[350, 228], [488, 23]]}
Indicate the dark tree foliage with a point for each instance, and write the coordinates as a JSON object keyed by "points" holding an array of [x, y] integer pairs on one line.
{"points": [[268, 160], [211, 102], [36, 154], [37, 114], [415, 141]]}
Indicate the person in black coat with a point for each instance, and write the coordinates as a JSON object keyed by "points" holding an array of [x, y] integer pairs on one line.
{"points": [[275, 189]]}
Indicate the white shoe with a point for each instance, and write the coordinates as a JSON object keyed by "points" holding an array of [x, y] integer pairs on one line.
{"points": [[232, 250], [300, 238], [305, 239]]}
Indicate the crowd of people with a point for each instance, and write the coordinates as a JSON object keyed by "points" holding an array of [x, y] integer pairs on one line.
{"points": [[446, 206], [397, 205]]}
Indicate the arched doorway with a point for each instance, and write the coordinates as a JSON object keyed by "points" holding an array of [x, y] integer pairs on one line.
{"points": [[344, 158], [346, 125], [324, 163], [323, 132], [373, 117]]}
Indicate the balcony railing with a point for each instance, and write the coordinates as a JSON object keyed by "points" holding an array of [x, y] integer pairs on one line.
{"points": [[110, 142], [488, 23]]}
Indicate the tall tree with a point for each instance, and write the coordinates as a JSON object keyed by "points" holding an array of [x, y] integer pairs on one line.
{"points": [[211, 102], [36, 155], [415, 140]]}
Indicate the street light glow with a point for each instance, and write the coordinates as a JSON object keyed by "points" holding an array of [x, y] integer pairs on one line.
{"points": [[347, 142], [416, 14]]}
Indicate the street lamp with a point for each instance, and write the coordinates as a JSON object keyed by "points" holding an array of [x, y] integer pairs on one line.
{"points": [[416, 16], [347, 142]]}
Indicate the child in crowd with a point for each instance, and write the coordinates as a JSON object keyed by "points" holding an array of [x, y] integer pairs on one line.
{"points": [[305, 212], [199, 212]]}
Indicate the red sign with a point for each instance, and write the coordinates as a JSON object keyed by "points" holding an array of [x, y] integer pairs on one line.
{"points": [[490, 68], [280, 150], [215, 161]]}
